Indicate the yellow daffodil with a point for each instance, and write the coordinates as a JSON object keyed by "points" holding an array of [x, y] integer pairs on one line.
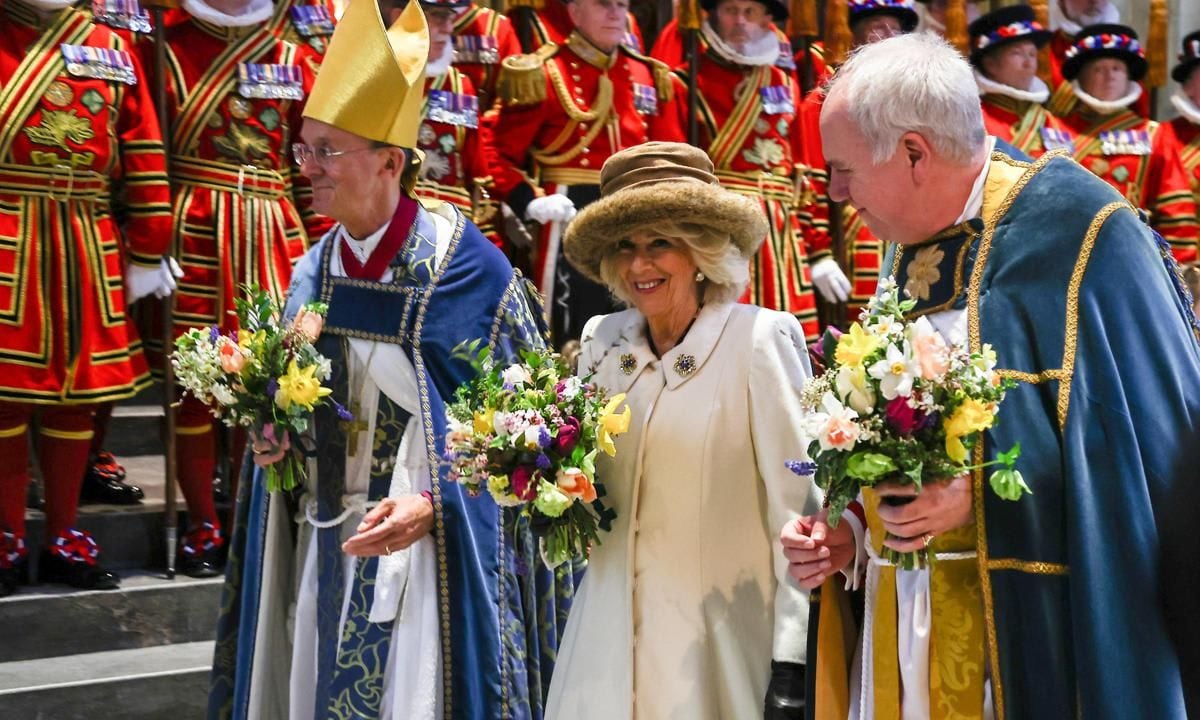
{"points": [[612, 424], [854, 346], [247, 338], [300, 387], [970, 417], [483, 421]]}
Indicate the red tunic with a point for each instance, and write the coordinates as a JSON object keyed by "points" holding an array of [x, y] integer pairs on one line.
{"points": [[748, 129], [1140, 158], [669, 48], [82, 190], [1187, 133], [1024, 124], [241, 205], [864, 251], [482, 39], [563, 133], [458, 157], [552, 24]]}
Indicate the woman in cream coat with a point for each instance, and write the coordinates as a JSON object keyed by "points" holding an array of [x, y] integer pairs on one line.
{"points": [[687, 610]]}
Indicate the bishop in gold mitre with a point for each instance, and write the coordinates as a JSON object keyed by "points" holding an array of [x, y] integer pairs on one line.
{"points": [[384, 590]]}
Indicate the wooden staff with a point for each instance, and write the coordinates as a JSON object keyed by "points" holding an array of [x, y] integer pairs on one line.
{"points": [[803, 20], [689, 23], [1041, 13], [956, 25], [525, 17], [838, 42], [1157, 50], [170, 512]]}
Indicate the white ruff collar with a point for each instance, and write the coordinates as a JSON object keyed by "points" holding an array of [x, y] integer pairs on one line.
{"points": [[764, 51], [257, 11], [1037, 92], [1186, 107], [49, 5], [1107, 107], [1059, 20]]}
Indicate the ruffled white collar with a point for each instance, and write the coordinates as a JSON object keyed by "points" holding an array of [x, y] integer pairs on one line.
{"points": [[764, 51], [48, 6], [438, 67], [257, 11], [1037, 92], [1060, 21], [1107, 107], [1186, 107]]}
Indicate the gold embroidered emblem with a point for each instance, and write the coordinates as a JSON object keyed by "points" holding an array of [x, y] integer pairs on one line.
{"points": [[242, 144], [923, 272], [215, 121], [59, 126], [766, 152], [628, 363], [59, 94], [1100, 167], [240, 108]]}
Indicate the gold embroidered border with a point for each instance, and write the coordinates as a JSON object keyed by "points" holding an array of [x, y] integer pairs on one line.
{"points": [[1072, 327], [1028, 566], [981, 548], [1034, 378]]}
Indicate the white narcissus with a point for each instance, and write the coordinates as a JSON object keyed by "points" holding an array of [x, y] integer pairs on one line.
{"points": [[895, 372], [855, 389]]}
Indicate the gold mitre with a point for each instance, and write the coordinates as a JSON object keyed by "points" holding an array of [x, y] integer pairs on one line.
{"points": [[372, 80]]}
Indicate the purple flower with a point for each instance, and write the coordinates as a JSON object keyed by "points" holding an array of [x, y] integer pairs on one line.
{"points": [[803, 468], [567, 436], [543, 436], [214, 334], [903, 417], [342, 412], [272, 387], [543, 461]]}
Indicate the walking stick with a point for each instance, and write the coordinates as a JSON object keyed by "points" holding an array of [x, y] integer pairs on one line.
{"points": [[170, 512], [689, 23], [803, 19], [524, 17], [1157, 51]]}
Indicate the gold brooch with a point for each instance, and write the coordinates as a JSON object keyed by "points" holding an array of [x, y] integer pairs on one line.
{"points": [[628, 363], [685, 365]]}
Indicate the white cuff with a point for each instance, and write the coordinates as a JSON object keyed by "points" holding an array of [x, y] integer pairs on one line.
{"points": [[855, 577]]}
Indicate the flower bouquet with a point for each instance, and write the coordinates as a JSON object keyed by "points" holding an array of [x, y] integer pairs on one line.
{"points": [[529, 433], [266, 377], [898, 404]]}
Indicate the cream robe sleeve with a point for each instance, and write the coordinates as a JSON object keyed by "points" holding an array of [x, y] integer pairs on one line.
{"points": [[779, 367]]}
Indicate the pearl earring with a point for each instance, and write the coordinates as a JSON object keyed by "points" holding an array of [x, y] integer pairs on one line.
{"points": [[699, 276]]}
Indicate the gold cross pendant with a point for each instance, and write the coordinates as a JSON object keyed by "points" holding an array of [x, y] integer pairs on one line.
{"points": [[352, 428]]}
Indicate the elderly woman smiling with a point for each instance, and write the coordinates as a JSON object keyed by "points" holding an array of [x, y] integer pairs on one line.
{"points": [[686, 610]]}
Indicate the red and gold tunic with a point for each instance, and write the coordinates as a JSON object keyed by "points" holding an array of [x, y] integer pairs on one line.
{"points": [[459, 150], [748, 129], [241, 208], [670, 49], [1140, 158], [310, 22], [864, 252], [1187, 133], [82, 190], [568, 109], [482, 39], [552, 24], [1024, 124]]}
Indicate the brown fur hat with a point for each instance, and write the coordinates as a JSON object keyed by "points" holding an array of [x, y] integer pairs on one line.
{"points": [[653, 183]]}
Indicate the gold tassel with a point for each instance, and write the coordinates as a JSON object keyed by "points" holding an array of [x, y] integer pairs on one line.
{"points": [[1156, 45], [664, 84], [689, 15], [1041, 13], [838, 37], [521, 80], [803, 18], [956, 25]]}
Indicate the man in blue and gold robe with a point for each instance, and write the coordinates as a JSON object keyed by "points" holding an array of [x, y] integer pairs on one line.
{"points": [[1045, 607], [385, 591]]}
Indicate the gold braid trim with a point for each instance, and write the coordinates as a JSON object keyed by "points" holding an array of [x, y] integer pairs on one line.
{"points": [[1027, 566], [1072, 331], [521, 80], [599, 116], [663, 85], [600, 105], [1032, 378]]}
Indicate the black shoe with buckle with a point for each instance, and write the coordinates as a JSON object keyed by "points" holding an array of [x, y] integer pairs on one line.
{"points": [[202, 554], [71, 559], [104, 482]]}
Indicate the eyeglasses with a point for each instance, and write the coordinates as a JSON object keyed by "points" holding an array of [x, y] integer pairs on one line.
{"points": [[302, 153]]}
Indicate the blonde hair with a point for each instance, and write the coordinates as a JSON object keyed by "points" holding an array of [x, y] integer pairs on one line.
{"points": [[726, 271]]}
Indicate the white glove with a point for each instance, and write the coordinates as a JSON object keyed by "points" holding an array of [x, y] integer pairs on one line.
{"points": [[141, 280], [551, 208], [830, 281]]}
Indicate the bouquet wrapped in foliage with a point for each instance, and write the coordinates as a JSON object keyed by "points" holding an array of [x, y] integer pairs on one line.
{"points": [[898, 404], [529, 433], [267, 377]]}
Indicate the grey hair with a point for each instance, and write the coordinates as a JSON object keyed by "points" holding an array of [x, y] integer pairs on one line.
{"points": [[726, 271], [913, 83]]}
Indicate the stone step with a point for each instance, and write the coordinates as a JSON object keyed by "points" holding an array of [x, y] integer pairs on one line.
{"points": [[168, 681], [148, 610], [130, 536]]}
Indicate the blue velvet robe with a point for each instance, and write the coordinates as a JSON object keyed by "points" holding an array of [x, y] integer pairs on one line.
{"points": [[1085, 308], [502, 611]]}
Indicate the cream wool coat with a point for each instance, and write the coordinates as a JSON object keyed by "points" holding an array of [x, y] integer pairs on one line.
{"points": [[687, 600]]}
